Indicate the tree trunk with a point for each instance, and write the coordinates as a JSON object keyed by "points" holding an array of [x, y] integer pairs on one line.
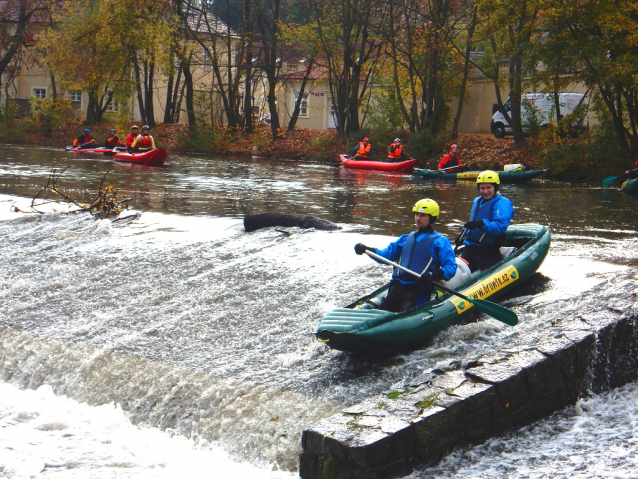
{"points": [[295, 113], [466, 72], [148, 94], [190, 96], [138, 90]]}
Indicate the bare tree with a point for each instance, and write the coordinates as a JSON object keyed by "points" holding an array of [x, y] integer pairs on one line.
{"points": [[224, 50], [349, 47]]}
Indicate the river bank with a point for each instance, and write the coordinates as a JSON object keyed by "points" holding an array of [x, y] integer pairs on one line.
{"points": [[478, 151]]}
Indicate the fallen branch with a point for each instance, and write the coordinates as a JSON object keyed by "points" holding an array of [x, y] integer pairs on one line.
{"points": [[105, 204]]}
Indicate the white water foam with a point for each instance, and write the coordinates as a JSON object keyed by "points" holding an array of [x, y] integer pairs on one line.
{"points": [[597, 438], [47, 436]]}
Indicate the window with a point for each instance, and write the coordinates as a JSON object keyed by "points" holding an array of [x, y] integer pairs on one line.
{"points": [[75, 95], [114, 106], [40, 92], [507, 106], [303, 107], [207, 60]]}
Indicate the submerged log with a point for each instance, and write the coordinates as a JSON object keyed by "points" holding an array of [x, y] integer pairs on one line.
{"points": [[263, 220]]}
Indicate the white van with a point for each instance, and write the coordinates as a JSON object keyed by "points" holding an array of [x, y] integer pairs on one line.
{"points": [[540, 103]]}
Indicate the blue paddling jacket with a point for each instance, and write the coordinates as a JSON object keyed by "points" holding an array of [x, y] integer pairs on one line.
{"points": [[414, 251], [496, 214]]}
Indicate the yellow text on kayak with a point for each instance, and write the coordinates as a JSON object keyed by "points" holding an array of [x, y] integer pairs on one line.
{"points": [[486, 287]]}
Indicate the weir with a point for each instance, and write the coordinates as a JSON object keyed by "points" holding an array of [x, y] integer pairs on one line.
{"points": [[388, 436]]}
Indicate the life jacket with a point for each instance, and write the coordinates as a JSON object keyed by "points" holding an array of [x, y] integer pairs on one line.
{"points": [[483, 210], [415, 256], [130, 138], [449, 162], [82, 139], [364, 150], [145, 142], [112, 142], [636, 164], [395, 151], [453, 160]]}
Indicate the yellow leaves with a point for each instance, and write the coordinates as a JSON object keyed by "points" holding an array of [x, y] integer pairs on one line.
{"points": [[92, 42]]}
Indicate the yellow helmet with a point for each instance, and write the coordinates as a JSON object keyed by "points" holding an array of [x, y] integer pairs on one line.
{"points": [[427, 206], [488, 176]]}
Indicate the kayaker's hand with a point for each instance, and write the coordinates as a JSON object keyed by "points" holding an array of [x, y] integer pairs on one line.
{"points": [[431, 276], [360, 248], [472, 225]]}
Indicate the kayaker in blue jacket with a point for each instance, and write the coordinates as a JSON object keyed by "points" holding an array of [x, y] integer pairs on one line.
{"points": [[489, 218], [423, 251]]}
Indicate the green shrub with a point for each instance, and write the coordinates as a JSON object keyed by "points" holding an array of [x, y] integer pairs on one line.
{"points": [[48, 112], [573, 153], [423, 145], [569, 159], [321, 148], [15, 131], [384, 113], [206, 139]]}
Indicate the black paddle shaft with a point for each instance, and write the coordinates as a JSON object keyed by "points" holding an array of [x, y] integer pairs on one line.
{"points": [[413, 273], [497, 311]]}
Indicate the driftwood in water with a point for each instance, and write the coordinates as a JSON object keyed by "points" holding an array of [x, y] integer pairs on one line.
{"points": [[105, 205], [264, 220]]}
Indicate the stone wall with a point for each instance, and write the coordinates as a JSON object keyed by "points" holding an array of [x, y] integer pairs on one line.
{"points": [[387, 438]]}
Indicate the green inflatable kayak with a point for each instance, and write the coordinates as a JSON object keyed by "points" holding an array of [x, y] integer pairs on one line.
{"points": [[505, 176], [630, 186], [361, 327]]}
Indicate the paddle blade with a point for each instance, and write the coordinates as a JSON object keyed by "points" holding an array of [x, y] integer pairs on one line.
{"points": [[609, 180], [110, 153], [497, 311]]}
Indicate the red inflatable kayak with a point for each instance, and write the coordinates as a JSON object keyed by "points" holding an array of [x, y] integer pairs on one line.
{"points": [[154, 157], [89, 151], [377, 165]]}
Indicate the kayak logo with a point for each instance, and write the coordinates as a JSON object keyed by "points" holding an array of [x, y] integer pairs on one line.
{"points": [[470, 175], [487, 287]]}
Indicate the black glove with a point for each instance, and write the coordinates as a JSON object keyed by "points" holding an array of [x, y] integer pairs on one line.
{"points": [[431, 276], [472, 225], [360, 248]]}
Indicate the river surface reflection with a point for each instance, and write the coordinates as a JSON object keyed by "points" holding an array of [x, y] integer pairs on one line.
{"points": [[233, 187]]}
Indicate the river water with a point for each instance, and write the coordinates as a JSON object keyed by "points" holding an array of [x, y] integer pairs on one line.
{"points": [[184, 325]]}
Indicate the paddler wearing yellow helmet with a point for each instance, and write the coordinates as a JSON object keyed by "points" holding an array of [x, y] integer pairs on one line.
{"points": [[490, 216], [424, 251]]}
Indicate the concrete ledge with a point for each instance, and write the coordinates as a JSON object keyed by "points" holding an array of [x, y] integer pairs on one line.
{"points": [[510, 388]]}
